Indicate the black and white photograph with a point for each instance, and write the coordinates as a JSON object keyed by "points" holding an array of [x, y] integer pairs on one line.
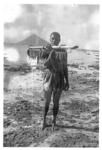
{"points": [[51, 75]]}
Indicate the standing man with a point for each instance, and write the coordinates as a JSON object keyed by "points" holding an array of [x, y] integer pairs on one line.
{"points": [[55, 75]]}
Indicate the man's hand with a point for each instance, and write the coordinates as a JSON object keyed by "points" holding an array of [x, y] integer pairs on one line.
{"points": [[48, 47], [66, 87]]}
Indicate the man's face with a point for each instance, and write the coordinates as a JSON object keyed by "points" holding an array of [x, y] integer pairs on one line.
{"points": [[54, 39]]}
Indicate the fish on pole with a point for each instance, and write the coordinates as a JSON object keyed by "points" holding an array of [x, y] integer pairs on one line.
{"points": [[33, 51]]}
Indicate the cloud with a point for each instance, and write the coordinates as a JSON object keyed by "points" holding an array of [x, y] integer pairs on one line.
{"points": [[12, 11], [17, 34], [13, 34], [78, 24], [94, 20], [11, 54], [92, 44]]}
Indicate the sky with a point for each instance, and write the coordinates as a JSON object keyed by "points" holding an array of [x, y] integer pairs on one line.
{"points": [[77, 24]]}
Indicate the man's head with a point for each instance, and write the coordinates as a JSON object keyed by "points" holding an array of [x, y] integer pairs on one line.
{"points": [[55, 38]]}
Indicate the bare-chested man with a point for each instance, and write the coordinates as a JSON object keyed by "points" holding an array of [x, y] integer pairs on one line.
{"points": [[55, 75]]}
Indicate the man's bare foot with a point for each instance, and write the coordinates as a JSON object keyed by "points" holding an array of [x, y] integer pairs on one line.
{"points": [[53, 126], [44, 126]]}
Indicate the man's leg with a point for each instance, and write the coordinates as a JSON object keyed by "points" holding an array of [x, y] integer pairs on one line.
{"points": [[56, 98], [47, 97]]}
